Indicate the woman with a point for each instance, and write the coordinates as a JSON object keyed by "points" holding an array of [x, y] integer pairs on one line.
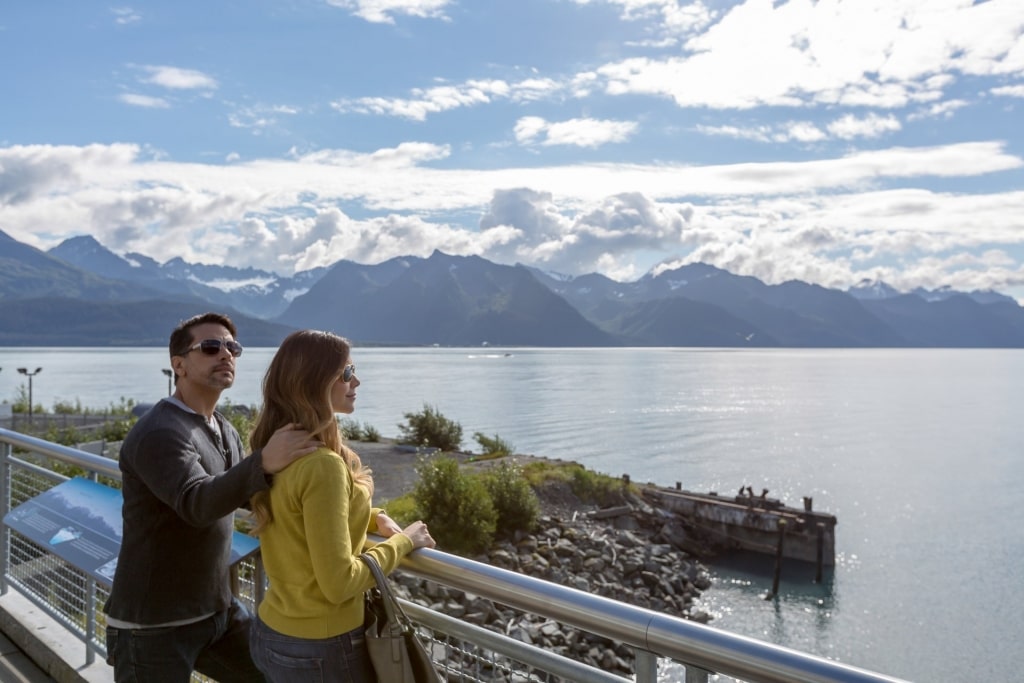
{"points": [[313, 523]]}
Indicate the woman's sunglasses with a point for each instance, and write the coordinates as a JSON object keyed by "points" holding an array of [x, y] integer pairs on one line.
{"points": [[211, 347], [348, 373]]}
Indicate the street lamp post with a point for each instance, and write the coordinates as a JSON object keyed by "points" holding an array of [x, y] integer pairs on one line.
{"points": [[170, 374], [30, 375]]}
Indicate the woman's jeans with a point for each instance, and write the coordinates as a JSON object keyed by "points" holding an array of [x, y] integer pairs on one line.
{"points": [[216, 646], [286, 659]]}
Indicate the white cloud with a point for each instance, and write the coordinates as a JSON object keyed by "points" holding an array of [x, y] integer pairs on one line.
{"points": [[850, 126], [145, 101], [938, 110], [881, 53], [846, 127], [826, 216], [125, 15], [382, 11], [884, 54], [437, 99], [668, 16], [576, 132], [801, 131], [259, 117], [1009, 91], [175, 78]]}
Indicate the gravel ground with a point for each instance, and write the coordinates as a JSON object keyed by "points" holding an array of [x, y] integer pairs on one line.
{"points": [[394, 467]]}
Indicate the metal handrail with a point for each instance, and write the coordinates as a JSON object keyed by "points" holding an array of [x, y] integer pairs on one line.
{"points": [[71, 456], [699, 647], [684, 641]]}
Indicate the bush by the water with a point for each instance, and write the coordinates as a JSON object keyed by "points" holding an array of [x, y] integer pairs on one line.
{"points": [[429, 428], [457, 507], [493, 447], [514, 501], [354, 430]]}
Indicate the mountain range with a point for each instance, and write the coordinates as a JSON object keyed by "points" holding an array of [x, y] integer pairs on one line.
{"points": [[80, 293]]}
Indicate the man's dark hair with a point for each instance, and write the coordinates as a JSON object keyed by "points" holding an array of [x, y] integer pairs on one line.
{"points": [[181, 337]]}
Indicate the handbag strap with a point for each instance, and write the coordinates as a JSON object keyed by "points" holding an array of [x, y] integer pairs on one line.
{"points": [[393, 610]]}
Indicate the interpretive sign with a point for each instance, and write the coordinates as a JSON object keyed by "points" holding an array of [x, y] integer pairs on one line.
{"points": [[80, 522]]}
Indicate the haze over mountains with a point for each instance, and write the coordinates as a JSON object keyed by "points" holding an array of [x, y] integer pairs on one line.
{"points": [[82, 294]]}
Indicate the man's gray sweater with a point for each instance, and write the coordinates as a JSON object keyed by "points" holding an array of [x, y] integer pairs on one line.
{"points": [[182, 484]]}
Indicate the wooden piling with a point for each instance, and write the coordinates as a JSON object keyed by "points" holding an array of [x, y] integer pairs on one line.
{"points": [[778, 557], [821, 552]]}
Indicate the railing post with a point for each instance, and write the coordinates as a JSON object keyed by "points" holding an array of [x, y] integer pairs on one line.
{"points": [[695, 674], [258, 579], [90, 620], [646, 666], [5, 507]]}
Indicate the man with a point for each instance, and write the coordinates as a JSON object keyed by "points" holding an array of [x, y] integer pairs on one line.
{"points": [[171, 609]]}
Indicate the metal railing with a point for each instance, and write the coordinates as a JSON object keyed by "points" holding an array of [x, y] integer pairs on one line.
{"points": [[463, 650]]}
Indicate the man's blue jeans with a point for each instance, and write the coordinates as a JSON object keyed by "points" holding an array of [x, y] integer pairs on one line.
{"points": [[217, 647], [285, 659]]}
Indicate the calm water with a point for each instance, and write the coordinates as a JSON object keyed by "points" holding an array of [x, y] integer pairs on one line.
{"points": [[917, 452]]}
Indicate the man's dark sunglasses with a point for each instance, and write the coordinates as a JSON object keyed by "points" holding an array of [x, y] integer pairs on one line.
{"points": [[211, 347]]}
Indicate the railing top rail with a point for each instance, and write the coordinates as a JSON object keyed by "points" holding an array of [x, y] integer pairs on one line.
{"points": [[684, 641], [72, 456]]}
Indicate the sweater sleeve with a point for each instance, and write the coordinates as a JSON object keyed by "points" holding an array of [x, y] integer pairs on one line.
{"points": [[169, 462]]}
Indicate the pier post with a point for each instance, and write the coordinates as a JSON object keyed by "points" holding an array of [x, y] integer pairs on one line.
{"points": [[821, 552], [778, 557]]}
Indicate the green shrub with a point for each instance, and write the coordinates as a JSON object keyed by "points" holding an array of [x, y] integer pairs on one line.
{"points": [[457, 508], [371, 434], [515, 502], [20, 403], [67, 408], [65, 436], [402, 509], [493, 447], [587, 485], [597, 488], [430, 428], [351, 430], [242, 418], [116, 430], [123, 407]]}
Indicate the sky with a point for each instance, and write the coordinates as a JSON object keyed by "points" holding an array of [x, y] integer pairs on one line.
{"points": [[833, 142]]}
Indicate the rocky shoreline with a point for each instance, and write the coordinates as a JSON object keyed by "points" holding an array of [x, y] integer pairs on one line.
{"points": [[630, 552]]}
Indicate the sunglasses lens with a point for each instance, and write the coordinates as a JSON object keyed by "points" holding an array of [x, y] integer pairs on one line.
{"points": [[348, 372], [211, 347]]}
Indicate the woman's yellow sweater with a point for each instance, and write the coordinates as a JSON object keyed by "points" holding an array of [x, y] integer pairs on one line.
{"points": [[311, 548]]}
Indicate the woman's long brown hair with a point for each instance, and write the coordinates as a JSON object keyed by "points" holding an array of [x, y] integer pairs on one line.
{"points": [[297, 389]]}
